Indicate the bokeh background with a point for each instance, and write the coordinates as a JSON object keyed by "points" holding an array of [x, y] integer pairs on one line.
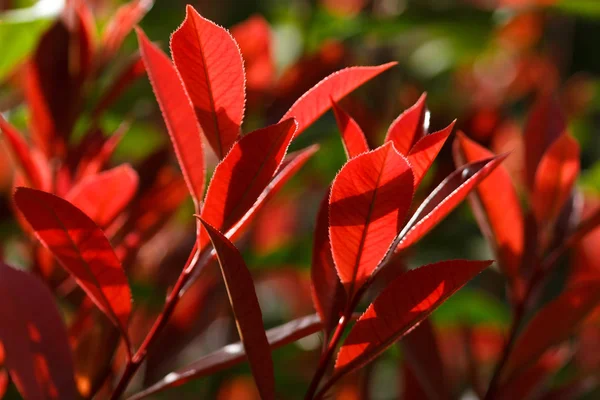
{"points": [[480, 61]]}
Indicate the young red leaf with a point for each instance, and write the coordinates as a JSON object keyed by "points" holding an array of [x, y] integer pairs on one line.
{"points": [[424, 152], [409, 127], [555, 177], [314, 103], [234, 354], [121, 24], [211, 67], [327, 291], [248, 317], [370, 197], [34, 338], [554, 323], [244, 173], [353, 137], [95, 159], [444, 198], [546, 122], [496, 207], [24, 156], [81, 248], [103, 196], [400, 307], [178, 114]]}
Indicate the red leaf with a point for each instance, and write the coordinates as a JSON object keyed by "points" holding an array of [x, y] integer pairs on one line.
{"points": [[314, 103], [34, 338], [353, 137], [555, 177], [444, 198], [424, 152], [233, 354], [121, 24], [104, 196], [370, 197], [211, 67], [546, 122], [554, 323], [248, 317], [244, 173], [496, 207], [327, 291], [82, 249], [409, 127], [34, 171], [95, 159], [178, 114], [400, 307]]}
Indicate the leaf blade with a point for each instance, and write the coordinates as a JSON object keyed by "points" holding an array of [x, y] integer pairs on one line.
{"points": [[410, 126], [424, 152], [353, 138]]}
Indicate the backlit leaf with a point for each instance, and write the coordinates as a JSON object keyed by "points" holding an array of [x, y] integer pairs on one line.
{"points": [[315, 102], [81, 248], [121, 24], [409, 127], [248, 317], [353, 137], [370, 197], [34, 338], [178, 114], [424, 152], [211, 67]]}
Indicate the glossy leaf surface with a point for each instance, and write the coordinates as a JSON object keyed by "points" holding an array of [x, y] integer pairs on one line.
{"points": [[34, 338], [81, 248], [211, 67], [370, 197], [315, 102], [178, 114], [248, 317]]}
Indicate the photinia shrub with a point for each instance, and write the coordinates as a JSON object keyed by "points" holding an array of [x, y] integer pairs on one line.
{"points": [[90, 225]]}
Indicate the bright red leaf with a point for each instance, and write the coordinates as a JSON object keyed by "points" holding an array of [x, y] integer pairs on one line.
{"points": [[409, 127], [555, 177], [81, 248], [244, 173], [34, 338], [327, 291], [314, 103], [400, 307], [424, 152], [353, 137], [444, 198], [178, 114], [103, 196], [211, 67], [496, 207], [248, 317], [234, 354], [370, 197]]}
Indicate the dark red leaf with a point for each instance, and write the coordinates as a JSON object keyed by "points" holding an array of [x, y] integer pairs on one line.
{"points": [[554, 180], [409, 127], [314, 103], [353, 137], [400, 307], [211, 67], [424, 152], [103, 196], [244, 173], [327, 291], [554, 323], [546, 122], [496, 207], [233, 354], [248, 317], [81, 248], [444, 198], [370, 197], [34, 338], [36, 173], [121, 24], [178, 114]]}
